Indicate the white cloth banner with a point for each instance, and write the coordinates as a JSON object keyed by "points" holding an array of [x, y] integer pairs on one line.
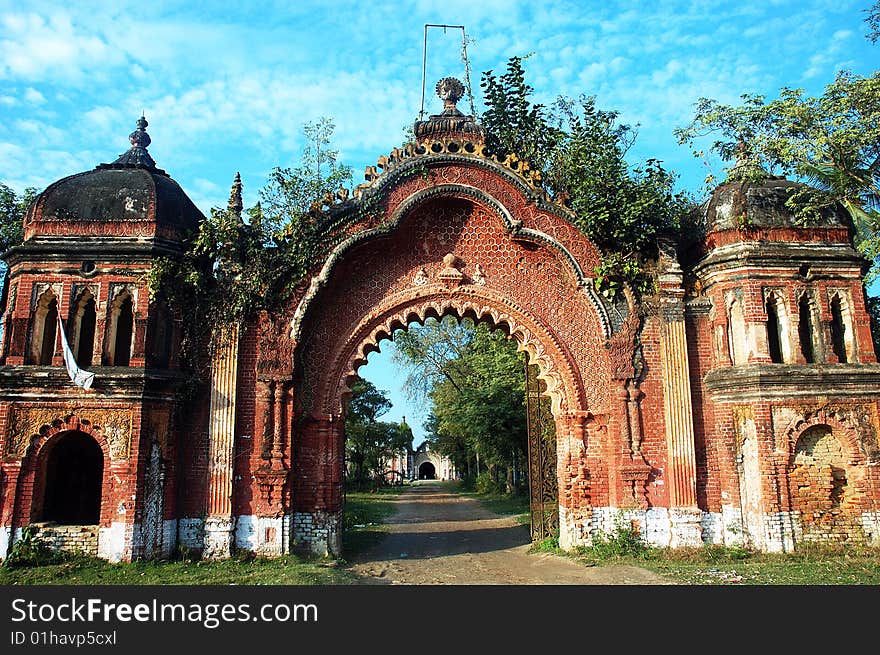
{"points": [[80, 377]]}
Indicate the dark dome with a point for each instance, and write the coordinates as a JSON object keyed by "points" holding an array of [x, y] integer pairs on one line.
{"points": [[740, 204], [128, 191], [116, 193]]}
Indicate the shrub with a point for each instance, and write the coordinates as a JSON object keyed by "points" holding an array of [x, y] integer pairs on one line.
{"points": [[625, 541], [485, 484], [30, 550]]}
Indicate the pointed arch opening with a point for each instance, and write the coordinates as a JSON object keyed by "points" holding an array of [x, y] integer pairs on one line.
{"points": [[841, 332], [736, 338], [82, 321], [805, 329], [160, 333], [120, 330], [44, 326], [778, 343]]}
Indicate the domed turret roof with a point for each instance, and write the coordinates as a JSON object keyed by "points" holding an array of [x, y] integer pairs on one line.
{"points": [[752, 198], [129, 196]]}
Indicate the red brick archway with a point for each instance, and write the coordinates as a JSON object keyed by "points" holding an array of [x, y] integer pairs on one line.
{"points": [[463, 238]]}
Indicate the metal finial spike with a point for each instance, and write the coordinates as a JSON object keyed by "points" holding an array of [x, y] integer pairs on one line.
{"points": [[139, 138]]}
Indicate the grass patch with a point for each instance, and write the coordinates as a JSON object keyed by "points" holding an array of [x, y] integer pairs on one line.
{"points": [[363, 518], [81, 570], [811, 564]]}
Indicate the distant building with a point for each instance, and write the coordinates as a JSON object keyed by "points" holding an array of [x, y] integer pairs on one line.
{"points": [[430, 465]]}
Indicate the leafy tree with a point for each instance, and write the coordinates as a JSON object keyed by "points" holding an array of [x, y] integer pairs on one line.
{"points": [[233, 267], [12, 209], [832, 142], [873, 21], [580, 152], [476, 383], [513, 124], [624, 210], [370, 443], [289, 198], [431, 354]]}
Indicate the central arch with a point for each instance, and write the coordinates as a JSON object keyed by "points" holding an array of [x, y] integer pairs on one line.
{"points": [[427, 471], [480, 305], [450, 249]]}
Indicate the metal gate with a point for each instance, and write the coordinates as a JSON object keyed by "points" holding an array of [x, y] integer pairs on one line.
{"points": [[543, 484]]}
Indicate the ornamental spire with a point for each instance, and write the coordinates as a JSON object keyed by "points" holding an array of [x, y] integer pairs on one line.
{"points": [[137, 155], [235, 204], [450, 120]]}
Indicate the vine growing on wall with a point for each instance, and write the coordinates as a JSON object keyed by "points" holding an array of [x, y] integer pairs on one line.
{"points": [[237, 265]]}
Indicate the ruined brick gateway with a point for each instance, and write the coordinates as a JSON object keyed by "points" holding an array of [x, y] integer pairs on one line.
{"points": [[738, 405]]}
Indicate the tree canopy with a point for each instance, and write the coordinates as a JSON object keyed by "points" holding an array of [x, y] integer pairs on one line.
{"points": [[12, 208], [873, 21], [370, 443], [235, 267], [831, 141], [475, 383], [580, 151]]}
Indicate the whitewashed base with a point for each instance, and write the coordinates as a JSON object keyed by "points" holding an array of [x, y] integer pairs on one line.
{"points": [[218, 538], [317, 532], [263, 535]]}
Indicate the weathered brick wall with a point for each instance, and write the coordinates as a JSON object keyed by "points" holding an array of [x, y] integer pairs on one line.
{"points": [[654, 423], [247, 447], [69, 538]]}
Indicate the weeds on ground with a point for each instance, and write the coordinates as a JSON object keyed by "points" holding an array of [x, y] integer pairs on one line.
{"points": [[30, 550], [810, 564]]}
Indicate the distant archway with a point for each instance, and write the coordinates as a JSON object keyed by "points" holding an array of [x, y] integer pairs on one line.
{"points": [[74, 475], [427, 471]]}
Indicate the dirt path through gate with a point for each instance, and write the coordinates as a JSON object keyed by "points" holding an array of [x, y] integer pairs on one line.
{"points": [[439, 537]]}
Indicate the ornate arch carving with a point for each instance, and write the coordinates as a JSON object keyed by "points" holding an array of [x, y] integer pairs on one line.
{"points": [[844, 429], [30, 428], [417, 304], [513, 226]]}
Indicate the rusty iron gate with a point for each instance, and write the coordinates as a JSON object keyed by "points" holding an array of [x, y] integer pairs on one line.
{"points": [[543, 484]]}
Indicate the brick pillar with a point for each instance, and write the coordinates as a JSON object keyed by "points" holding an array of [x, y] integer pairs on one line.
{"points": [[221, 439], [575, 510], [317, 515], [681, 463]]}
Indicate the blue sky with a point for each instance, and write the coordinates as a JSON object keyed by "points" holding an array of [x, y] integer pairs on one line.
{"points": [[227, 86]]}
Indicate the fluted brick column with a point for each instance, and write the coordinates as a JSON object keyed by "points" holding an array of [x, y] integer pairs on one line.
{"points": [[681, 465], [221, 436]]}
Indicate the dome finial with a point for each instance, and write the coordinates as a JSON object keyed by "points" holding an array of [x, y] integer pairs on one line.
{"points": [[450, 119], [137, 155], [746, 166], [450, 91]]}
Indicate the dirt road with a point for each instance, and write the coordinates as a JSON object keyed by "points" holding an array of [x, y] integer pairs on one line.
{"points": [[439, 537]]}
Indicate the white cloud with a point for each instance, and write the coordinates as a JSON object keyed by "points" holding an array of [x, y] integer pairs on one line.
{"points": [[33, 96]]}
